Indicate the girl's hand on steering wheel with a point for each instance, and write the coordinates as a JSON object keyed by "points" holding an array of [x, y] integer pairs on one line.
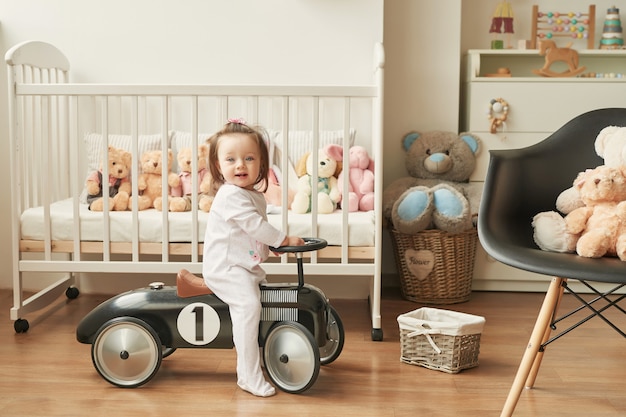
{"points": [[293, 241], [290, 241]]}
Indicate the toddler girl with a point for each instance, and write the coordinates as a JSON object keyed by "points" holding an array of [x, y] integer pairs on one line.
{"points": [[237, 240]]}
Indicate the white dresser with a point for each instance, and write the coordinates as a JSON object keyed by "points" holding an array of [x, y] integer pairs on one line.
{"points": [[537, 107]]}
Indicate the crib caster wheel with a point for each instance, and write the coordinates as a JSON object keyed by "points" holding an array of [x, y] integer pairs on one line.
{"points": [[21, 325], [72, 292], [377, 335]]}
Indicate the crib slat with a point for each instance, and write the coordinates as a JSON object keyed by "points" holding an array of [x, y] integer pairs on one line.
{"points": [[72, 115], [194, 179], [134, 129]]}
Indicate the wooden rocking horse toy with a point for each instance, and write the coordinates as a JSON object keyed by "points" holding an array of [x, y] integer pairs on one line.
{"points": [[554, 54]]}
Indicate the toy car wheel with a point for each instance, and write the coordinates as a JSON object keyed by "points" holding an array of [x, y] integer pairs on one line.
{"points": [[167, 351], [291, 357], [335, 336], [126, 352]]}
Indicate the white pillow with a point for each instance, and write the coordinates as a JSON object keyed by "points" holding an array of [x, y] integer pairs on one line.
{"points": [[180, 140], [301, 141], [93, 145]]}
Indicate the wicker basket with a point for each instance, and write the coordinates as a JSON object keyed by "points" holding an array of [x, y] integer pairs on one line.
{"points": [[435, 267], [443, 340]]}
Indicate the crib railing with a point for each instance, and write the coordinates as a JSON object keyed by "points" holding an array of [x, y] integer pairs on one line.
{"points": [[50, 155]]}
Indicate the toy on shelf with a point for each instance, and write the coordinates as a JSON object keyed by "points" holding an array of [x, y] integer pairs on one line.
{"points": [[554, 54], [500, 73], [548, 25], [502, 22], [612, 30]]}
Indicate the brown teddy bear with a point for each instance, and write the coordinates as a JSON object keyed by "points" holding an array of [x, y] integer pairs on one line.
{"points": [[180, 196], [149, 182], [119, 165], [601, 223]]}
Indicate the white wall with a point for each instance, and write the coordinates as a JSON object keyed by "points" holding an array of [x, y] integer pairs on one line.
{"points": [[329, 41], [193, 41], [422, 82]]}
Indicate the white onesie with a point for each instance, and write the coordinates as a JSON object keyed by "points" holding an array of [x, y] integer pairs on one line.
{"points": [[237, 240]]}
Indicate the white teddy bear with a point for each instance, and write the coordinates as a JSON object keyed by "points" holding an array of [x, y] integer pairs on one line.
{"points": [[327, 189]]}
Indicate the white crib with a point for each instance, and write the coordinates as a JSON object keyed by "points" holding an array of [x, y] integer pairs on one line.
{"points": [[58, 130]]}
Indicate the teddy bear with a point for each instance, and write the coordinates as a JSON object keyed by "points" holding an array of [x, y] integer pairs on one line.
{"points": [[180, 196], [598, 228], [119, 165], [548, 227], [437, 193], [149, 182], [328, 194], [360, 195]]}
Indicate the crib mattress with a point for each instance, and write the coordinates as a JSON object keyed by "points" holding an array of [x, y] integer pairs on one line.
{"points": [[361, 227]]}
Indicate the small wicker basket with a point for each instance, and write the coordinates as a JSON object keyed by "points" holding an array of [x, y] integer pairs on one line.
{"points": [[442, 340], [435, 267]]}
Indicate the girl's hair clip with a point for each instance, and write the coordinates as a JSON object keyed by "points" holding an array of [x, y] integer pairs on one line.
{"points": [[239, 121]]}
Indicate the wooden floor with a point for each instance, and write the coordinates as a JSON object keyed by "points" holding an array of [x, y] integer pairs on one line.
{"points": [[46, 372]]}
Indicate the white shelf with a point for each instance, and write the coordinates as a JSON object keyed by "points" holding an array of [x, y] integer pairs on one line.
{"points": [[522, 62]]}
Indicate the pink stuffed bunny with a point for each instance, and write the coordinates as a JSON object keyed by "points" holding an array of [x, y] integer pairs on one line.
{"points": [[360, 182]]}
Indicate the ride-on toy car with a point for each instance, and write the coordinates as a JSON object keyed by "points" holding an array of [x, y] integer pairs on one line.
{"points": [[131, 333]]}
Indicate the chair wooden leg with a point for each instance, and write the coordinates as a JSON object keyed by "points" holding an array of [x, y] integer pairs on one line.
{"points": [[530, 381], [542, 325]]}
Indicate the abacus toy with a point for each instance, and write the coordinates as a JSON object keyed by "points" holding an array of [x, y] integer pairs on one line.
{"points": [[548, 25]]}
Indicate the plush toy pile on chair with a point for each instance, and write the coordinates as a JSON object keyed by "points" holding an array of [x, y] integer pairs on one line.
{"points": [[591, 216]]}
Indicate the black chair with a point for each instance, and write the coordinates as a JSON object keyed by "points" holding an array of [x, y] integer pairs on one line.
{"points": [[523, 182]]}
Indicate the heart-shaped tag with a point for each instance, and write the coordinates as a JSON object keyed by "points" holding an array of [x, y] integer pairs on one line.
{"points": [[419, 262]]}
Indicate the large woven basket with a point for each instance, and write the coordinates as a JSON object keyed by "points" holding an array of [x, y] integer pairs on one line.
{"points": [[435, 267], [442, 340]]}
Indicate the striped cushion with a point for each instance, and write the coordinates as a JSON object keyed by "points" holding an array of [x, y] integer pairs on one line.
{"points": [[93, 145], [301, 141]]}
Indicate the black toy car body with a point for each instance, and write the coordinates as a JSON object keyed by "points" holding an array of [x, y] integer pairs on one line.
{"points": [[132, 332]]}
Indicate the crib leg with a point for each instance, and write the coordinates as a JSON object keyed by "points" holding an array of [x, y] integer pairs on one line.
{"points": [[532, 354]]}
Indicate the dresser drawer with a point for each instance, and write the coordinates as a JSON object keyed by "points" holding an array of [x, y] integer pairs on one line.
{"points": [[540, 106], [501, 140]]}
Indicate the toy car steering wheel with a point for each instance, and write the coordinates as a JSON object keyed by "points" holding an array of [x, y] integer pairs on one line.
{"points": [[310, 244]]}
